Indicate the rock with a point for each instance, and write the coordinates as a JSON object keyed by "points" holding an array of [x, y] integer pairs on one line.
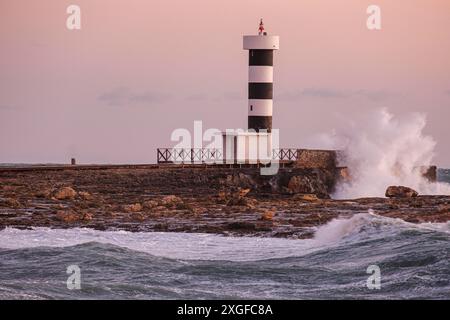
{"points": [[237, 201], [429, 173], [306, 197], [85, 195], [171, 201], [344, 174], [46, 193], [241, 180], [400, 192], [298, 184], [87, 217], [150, 204], [136, 207], [241, 225], [184, 206], [67, 216], [238, 198], [222, 197], [444, 208], [136, 216], [243, 192], [267, 215], [65, 193], [11, 203]]}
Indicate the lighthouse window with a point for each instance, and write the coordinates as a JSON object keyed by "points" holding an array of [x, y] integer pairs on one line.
{"points": [[251, 108]]}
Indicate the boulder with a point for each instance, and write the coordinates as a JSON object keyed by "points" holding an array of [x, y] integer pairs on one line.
{"points": [[11, 203], [150, 204], [401, 192], [267, 215], [137, 216], [136, 207], [87, 216], [44, 193], [171, 201], [65, 193], [85, 195], [238, 198], [306, 197], [68, 216]]}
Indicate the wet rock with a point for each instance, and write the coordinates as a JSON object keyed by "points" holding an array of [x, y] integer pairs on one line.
{"points": [[10, 203], [306, 197], [150, 204], [400, 192], [85, 195], [429, 173], [238, 198], [136, 207], [236, 201], [222, 197], [241, 225], [67, 216], [184, 206], [443, 208], [241, 180], [267, 215], [46, 193], [87, 216], [65, 193], [171, 201], [243, 192], [136, 216], [300, 184]]}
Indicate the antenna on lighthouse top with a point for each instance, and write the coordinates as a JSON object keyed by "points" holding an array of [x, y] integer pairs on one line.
{"points": [[261, 28]]}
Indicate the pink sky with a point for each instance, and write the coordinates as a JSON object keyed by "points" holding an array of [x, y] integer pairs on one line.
{"points": [[115, 90]]}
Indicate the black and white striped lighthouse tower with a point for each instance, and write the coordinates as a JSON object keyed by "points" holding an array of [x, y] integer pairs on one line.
{"points": [[260, 78]]}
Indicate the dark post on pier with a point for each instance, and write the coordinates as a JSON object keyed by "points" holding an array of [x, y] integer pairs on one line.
{"points": [[73, 161]]}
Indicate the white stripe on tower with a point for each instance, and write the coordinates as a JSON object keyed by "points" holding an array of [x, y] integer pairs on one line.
{"points": [[260, 74], [260, 107]]}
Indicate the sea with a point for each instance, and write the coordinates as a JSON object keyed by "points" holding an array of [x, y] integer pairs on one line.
{"points": [[362, 257]]}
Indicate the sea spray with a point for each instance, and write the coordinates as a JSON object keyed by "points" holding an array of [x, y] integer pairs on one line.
{"points": [[382, 150]]}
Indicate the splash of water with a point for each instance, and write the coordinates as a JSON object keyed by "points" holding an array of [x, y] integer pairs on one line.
{"points": [[381, 150]]}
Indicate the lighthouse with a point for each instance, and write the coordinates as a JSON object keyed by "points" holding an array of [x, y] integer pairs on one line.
{"points": [[260, 78]]}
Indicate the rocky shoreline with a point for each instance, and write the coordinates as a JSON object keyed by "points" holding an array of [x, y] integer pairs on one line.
{"points": [[225, 201]]}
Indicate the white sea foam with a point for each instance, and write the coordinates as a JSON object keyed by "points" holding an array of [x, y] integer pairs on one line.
{"points": [[197, 246], [190, 246]]}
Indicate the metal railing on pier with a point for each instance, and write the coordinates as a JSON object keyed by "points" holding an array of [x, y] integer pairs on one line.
{"points": [[213, 156]]}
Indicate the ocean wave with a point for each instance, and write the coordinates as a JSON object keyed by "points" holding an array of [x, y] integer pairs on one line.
{"points": [[197, 246], [116, 264]]}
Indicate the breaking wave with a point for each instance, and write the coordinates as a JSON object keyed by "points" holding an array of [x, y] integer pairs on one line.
{"points": [[382, 150], [115, 264]]}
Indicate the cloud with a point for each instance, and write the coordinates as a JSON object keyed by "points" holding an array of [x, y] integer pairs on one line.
{"points": [[311, 92], [326, 93], [375, 95], [124, 96]]}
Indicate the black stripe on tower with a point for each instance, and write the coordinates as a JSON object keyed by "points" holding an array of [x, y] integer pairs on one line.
{"points": [[260, 122], [260, 90], [260, 57]]}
